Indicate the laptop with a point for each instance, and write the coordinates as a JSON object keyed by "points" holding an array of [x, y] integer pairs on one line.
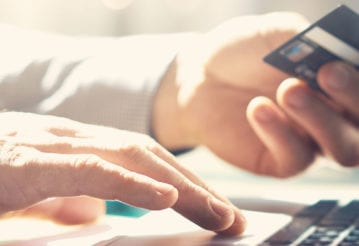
{"points": [[326, 222]]}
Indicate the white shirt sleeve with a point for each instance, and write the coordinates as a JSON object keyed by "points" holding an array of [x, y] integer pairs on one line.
{"points": [[107, 81]]}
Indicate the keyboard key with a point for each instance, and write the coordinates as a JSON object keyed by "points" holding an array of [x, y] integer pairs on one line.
{"points": [[292, 231], [329, 223], [301, 222]]}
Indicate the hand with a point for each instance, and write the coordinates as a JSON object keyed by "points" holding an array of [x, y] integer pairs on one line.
{"points": [[46, 156], [333, 122], [204, 97]]}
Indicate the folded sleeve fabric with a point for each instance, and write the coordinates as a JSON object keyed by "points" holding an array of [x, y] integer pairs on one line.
{"points": [[100, 80]]}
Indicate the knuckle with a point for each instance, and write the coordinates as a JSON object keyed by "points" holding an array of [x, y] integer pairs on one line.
{"points": [[184, 186], [87, 160], [87, 167], [132, 151], [129, 178], [14, 155], [18, 168], [155, 148], [83, 171]]}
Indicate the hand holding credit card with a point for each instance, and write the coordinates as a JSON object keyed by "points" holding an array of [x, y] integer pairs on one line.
{"points": [[333, 37]]}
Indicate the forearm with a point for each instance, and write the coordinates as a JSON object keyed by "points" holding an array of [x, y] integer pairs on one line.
{"points": [[107, 81]]}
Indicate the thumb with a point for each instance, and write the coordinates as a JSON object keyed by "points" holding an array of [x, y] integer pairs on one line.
{"points": [[66, 210]]}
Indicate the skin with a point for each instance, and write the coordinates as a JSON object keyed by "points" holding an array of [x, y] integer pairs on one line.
{"points": [[57, 157], [211, 91], [333, 122], [217, 93], [254, 116]]}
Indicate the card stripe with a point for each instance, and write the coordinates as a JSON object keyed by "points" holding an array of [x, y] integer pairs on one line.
{"points": [[333, 45]]}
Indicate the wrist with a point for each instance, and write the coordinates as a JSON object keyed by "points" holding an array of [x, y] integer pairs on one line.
{"points": [[168, 125], [174, 122]]}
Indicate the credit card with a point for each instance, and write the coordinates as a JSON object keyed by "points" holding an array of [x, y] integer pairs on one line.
{"points": [[333, 37]]}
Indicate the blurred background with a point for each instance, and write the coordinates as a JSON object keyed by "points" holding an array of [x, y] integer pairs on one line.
{"points": [[123, 17]]}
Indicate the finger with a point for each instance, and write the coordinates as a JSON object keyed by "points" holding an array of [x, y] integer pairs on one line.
{"points": [[55, 125], [113, 152], [239, 223], [194, 202], [334, 134], [57, 175], [287, 152], [67, 210], [341, 82]]}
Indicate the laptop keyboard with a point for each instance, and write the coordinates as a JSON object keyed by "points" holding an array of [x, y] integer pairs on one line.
{"points": [[324, 223]]}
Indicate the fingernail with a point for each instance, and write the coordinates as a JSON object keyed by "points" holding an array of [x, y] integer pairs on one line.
{"points": [[338, 77], [238, 227], [220, 208], [298, 98], [264, 114]]}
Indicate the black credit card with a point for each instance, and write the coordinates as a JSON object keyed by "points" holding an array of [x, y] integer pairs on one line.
{"points": [[333, 37]]}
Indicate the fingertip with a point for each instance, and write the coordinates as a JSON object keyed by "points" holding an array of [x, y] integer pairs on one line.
{"points": [[289, 150], [324, 72], [335, 77], [79, 210], [170, 196], [257, 101], [285, 89], [295, 95], [261, 110], [223, 215], [68, 210], [238, 226], [166, 196]]}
